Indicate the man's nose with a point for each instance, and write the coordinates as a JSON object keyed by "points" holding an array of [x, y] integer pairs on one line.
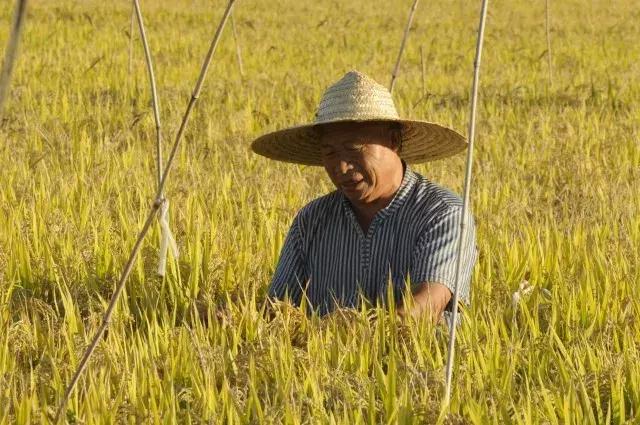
{"points": [[344, 166]]}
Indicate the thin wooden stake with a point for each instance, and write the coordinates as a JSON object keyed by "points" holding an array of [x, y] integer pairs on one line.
{"points": [[109, 312], [422, 73], [147, 224], [133, 17], [465, 203], [238, 52], [154, 91], [11, 52], [167, 239], [196, 94], [396, 68], [548, 29]]}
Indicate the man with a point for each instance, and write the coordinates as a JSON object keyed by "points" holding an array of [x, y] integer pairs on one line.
{"points": [[384, 224]]}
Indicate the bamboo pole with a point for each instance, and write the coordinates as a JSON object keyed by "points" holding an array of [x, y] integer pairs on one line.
{"points": [[196, 93], [147, 224], [109, 312], [131, 21], [548, 30], [154, 91], [422, 73], [238, 51], [11, 52], [396, 68], [167, 239], [465, 203]]}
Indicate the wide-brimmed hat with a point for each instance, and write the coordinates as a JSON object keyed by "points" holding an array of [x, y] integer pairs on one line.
{"points": [[358, 98]]}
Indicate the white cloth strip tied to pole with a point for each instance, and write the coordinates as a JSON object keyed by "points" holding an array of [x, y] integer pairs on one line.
{"points": [[166, 238], [465, 204]]}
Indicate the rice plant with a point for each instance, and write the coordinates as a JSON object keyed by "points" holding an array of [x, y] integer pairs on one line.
{"points": [[556, 172]]}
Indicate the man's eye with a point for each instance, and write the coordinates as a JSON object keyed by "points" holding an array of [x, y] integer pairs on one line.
{"points": [[327, 152]]}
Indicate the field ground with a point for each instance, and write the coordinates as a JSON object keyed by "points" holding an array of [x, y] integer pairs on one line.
{"points": [[555, 197]]}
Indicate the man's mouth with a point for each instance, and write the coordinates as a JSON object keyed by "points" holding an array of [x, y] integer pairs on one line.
{"points": [[351, 184]]}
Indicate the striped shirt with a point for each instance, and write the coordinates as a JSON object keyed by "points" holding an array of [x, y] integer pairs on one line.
{"points": [[413, 239]]}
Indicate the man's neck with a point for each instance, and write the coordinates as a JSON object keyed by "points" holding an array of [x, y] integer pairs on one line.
{"points": [[366, 211]]}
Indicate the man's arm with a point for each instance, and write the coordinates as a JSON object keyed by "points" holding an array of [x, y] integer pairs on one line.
{"points": [[434, 265], [428, 298]]}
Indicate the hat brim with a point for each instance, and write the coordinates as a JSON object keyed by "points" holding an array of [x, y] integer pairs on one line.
{"points": [[422, 141]]}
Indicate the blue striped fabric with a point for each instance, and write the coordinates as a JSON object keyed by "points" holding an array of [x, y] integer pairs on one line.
{"points": [[413, 239]]}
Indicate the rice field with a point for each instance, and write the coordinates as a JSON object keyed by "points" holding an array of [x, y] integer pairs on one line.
{"points": [[555, 196]]}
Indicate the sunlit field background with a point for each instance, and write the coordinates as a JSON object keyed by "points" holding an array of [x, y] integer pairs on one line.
{"points": [[555, 196]]}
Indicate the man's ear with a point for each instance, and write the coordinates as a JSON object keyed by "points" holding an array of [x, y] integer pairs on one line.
{"points": [[395, 134]]}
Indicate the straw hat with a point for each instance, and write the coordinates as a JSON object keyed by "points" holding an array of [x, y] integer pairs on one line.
{"points": [[358, 98]]}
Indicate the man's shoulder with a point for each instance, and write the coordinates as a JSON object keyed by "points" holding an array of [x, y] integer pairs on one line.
{"points": [[433, 197], [318, 208]]}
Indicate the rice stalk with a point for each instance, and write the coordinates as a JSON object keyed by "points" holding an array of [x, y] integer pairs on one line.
{"points": [[154, 209]]}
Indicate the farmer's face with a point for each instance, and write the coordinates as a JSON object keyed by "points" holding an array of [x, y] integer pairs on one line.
{"points": [[360, 159]]}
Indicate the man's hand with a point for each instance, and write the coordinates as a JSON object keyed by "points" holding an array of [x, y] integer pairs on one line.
{"points": [[428, 298]]}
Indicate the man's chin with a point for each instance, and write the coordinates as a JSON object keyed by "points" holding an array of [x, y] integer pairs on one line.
{"points": [[357, 196]]}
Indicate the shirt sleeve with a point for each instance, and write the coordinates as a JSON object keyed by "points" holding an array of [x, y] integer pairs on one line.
{"points": [[435, 255], [290, 276]]}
